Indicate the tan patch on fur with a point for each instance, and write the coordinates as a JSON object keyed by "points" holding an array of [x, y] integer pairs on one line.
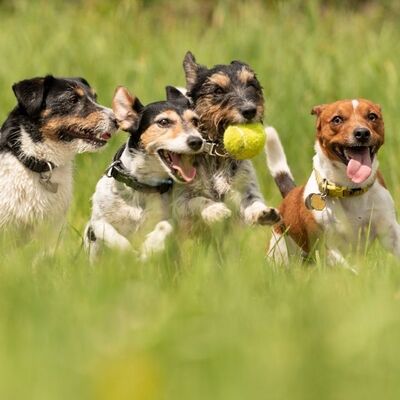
{"points": [[245, 75], [330, 135], [76, 125], [220, 79], [151, 137], [298, 220], [79, 91]]}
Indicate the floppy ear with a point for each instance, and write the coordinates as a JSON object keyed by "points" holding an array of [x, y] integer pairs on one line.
{"points": [[317, 110], [191, 69], [127, 108], [30, 93], [174, 95]]}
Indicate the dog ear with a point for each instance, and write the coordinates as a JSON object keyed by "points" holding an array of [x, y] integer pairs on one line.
{"points": [[127, 108], [191, 69], [30, 93], [174, 95], [317, 110], [82, 80], [241, 63]]}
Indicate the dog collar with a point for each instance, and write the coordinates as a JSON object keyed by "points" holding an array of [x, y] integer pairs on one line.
{"points": [[118, 171], [43, 168], [215, 148], [317, 201], [29, 162], [330, 189]]}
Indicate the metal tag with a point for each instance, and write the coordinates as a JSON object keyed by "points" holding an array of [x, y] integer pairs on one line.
{"points": [[315, 201], [49, 185]]}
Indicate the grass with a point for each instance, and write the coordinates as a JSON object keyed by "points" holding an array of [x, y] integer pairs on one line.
{"points": [[204, 320]]}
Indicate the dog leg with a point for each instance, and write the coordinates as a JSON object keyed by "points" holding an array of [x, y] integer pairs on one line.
{"points": [[200, 206], [155, 240], [252, 206], [389, 235], [278, 251], [112, 238]]}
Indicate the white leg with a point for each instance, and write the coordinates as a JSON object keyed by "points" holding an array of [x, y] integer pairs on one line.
{"points": [[111, 237], [252, 205], [278, 251], [390, 237], [155, 240]]}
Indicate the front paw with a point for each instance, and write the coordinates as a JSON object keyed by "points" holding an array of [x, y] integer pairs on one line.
{"points": [[259, 213], [155, 241], [215, 212]]}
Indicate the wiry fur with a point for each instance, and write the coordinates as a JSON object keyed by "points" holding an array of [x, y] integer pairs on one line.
{"points": [[223, 95], [25, 202], [119, 210]]}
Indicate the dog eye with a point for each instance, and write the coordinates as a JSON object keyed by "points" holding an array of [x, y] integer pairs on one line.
{"points": [[372, 117], [219, 90], [195, 122], [337, 119], [164, 122], [253, 85]]}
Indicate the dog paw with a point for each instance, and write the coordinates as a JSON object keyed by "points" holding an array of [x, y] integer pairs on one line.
{"points": [[215, 212], [259, 213], [155, 240]]}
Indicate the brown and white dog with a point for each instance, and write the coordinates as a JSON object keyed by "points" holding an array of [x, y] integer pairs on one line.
{"points": [[54, 119], [345, 197]]}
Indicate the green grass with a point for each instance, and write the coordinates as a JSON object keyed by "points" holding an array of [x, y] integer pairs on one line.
{"points": [[205, 320]]}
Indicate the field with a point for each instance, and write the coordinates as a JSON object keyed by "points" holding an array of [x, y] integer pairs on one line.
{"points": [[208, 320]]}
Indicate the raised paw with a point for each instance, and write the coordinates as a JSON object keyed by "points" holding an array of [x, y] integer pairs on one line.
{"points": [[215, 212], [155, 240], [259, 213]]}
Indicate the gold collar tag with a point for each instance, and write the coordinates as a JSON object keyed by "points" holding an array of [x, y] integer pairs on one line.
{"points": [[315, 201]]}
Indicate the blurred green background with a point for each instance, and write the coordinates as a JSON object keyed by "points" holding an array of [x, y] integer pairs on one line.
{"points": [[207, 319]]}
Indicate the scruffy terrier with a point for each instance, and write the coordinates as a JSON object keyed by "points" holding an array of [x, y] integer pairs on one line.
{"points": [[163, 139], [55, 118], [221, 96]]}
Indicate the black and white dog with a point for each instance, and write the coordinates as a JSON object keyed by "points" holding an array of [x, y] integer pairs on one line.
{"points": [[159, 151], [55, 118], [223, 95]]}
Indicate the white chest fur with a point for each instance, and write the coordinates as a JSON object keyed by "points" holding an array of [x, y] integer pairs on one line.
{"points": [[24, 201], [352, 220]]}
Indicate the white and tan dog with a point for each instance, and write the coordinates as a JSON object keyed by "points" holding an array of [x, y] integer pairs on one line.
{"points": [[159, 151], [345, 199], [55, 119]]}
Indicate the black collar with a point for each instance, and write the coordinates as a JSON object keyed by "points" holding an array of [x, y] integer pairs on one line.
{"points": [[118, 171], [29, 162]]}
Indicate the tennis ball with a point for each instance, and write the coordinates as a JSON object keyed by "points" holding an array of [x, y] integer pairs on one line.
{"points": [[244, 140]]}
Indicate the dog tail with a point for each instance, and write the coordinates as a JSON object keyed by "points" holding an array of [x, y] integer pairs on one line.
{"points": [[276, 162]]}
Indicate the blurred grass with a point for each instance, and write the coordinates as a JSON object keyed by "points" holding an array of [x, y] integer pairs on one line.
{"points": [[205, 320]]}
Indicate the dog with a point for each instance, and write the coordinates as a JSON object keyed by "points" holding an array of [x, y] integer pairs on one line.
{"points": [[159, 151], [345, 200], [55, 118], [221, 96]]}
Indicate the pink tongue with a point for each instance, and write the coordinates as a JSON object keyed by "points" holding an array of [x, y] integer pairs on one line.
{"points": [[360, 165], [186, 169]]}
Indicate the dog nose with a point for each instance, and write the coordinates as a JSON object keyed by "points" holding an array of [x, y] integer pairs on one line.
{"points": [[362, 134], [249, 112], [195, 142]]}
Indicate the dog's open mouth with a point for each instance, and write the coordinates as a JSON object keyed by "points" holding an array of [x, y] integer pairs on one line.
{"points": [[179, 166], [358, 160]]}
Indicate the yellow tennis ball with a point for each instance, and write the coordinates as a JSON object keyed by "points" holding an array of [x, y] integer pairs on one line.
{"points": [[244, 140]]}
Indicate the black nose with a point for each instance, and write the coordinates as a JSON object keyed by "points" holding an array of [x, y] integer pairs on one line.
{"points": [[248, 112], [362, 134], [195, 142]]}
